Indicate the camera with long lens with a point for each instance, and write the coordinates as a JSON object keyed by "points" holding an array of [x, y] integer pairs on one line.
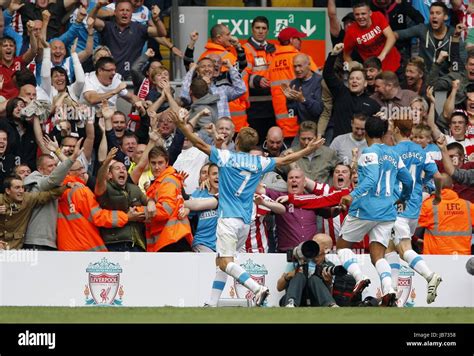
{"points": [[337, 271], [303, 253]]}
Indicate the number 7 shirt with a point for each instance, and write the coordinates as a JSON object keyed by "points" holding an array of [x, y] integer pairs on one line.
{"points": [[239, 175]]}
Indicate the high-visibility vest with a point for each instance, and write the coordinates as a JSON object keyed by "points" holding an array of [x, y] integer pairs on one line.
{"points": [[165, 228], [79, 216], [448, 225], [238, 106], [258, 63], [281, 71]]}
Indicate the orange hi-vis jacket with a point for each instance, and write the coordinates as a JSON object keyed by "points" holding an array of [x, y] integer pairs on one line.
{"points": [[79, 216], [237, 107], [281, 71], [165, 228], [448, 225], [258, 64]]}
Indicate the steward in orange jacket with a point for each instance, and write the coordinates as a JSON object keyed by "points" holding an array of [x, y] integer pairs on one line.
{"points": [[281, 71], [166, 232], [448, 225], [79, 216], [260, 54]]}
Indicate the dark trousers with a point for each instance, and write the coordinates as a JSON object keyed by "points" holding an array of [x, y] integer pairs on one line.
{"points": [[179, 246], [38, 247], [300, 289], [124, 247]]}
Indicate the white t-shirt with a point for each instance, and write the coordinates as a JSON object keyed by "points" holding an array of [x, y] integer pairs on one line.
{"points": [[191, 161], [92, 84]]}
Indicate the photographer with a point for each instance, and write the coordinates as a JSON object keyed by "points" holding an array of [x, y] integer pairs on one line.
{"points": [[308, 278]]}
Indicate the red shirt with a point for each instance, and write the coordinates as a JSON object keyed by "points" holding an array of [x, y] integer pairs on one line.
{"points": [[9, 89], [370, 41]]}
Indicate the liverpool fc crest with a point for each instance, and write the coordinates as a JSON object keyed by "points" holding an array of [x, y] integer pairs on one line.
{"points": [[104, 283]]}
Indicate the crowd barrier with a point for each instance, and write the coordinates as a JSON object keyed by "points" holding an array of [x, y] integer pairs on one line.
{"points": [[32, 278]]}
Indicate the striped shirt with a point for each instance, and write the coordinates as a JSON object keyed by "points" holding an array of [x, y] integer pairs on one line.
{"points": [[257, 240]]}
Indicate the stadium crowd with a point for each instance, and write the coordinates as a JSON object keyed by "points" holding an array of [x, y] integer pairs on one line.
{"points": [[79, 175]]}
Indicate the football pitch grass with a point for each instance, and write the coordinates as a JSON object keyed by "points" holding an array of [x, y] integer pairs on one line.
{"points": [[234, 315]]}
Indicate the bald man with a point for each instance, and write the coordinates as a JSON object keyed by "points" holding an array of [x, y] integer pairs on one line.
{"points": [[312, 285], [27, 93], [304, 93], [274, 144]]}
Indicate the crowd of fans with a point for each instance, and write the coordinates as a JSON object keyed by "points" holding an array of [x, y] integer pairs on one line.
{"points": [[79, 175]]}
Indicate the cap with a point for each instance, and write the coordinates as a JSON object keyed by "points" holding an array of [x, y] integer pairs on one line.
{"points": [[349, 17], [290, 32]]}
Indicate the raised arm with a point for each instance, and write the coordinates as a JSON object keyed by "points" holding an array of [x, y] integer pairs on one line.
{"points": [[89, 141], [33, 49], [46, 70], [98, 23], [138, 65], [334, 24], [448, 106], [335, 85], [447, 163], [78, 84], [431, 114], [87, 52], [293, 157], [195, 139], [103, 146], [155, 140], [101, 181], [165, 85], [159, 29]]}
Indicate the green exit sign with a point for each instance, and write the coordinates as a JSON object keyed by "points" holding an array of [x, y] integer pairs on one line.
{"points": [[310, 21]]}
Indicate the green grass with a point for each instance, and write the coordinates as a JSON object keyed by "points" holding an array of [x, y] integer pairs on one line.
{"points": [[234, 315]]}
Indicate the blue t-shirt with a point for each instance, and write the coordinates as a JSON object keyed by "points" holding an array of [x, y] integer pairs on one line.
{"points": [[239, 175], [205, 233], [380, 169], [421, 167]]}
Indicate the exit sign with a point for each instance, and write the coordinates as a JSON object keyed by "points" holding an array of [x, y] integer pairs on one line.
{"points": [[312, 22]]}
